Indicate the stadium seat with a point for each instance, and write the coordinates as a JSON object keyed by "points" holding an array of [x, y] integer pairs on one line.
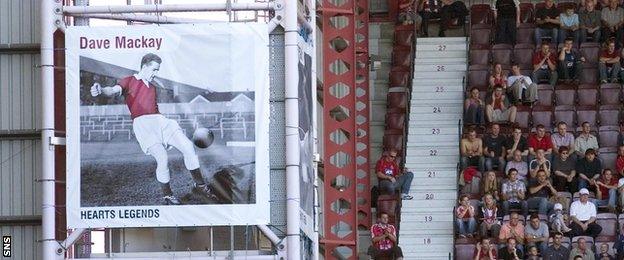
{"points": [[565, 114], [527, 15], [481, 14], [586, 114], [587, 97], [523, 117], [608, 222], [565, 96], [479, 57], [464, 251], [543, 116], [399, 78], [393, 142], [545, 94], [480, 36], [609, 115], [403, 38], [389, 204], [610, 94], [525, 34], [395, 121], [401, 58], [608, 136], [397, 102], [478, 76], [501, 53], [591, 51], [562, 6], [589, 76], [523, 55]]}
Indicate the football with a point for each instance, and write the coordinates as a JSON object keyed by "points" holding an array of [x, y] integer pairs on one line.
{"points": [[203, 137]]}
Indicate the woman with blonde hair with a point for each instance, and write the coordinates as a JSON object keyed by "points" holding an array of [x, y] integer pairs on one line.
{"points": [[490, 185], [489, 217]]}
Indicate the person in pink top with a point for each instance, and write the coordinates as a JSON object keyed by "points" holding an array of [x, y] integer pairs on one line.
{"points": [[513, 229], [154, 132]]}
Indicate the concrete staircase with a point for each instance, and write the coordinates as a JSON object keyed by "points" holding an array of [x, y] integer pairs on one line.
{"points": [[432, 152]]}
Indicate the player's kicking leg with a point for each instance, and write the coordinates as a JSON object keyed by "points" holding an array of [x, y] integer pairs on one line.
{"points": [[162, 173], [186, 147]]}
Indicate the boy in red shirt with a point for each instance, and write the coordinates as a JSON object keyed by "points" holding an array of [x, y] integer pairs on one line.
{"points": [[545, 65], [390, 177], [609, 63]]}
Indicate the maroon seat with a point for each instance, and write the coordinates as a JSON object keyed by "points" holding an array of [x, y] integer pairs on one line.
{"points": [[403, 37], [479, 57], [393, 142], [565, 114], [478, 76], [608, 222], [565, 96], [589, 76], [542, 116], [388, 204], [523, 117], [586, 114], [480, 36], [587, 97], [464, 251], [608, 136], [481, 14], [501, 53], [523, 55], [525, 33], [608, 161], [562, 6], [399, 78], [395, 121], [609, 115], [397, 102], [527, 15], [545, 94], [610, 94], [591, 52], [401, 58]]}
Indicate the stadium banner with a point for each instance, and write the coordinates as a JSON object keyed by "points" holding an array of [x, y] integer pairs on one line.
{"points": [[305, 45], [167, 125]]}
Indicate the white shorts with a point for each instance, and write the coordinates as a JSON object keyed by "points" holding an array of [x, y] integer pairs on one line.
{"points": [[154, 129]]}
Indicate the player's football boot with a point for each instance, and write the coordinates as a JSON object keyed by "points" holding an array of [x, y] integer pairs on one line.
{"points": [[204, 190], [171, 200]]}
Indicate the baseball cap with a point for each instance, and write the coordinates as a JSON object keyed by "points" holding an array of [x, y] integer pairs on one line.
{"points": [[584, 191], [621, 182], [558, 206]]}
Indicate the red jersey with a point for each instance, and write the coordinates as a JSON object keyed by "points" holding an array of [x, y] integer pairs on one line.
{"points": [[619, 164], [461, 210], [539, 56], [605, 191], [378, 230], [484, 254], [606, 54], [545, 143], [386, 167], [140, 98]]}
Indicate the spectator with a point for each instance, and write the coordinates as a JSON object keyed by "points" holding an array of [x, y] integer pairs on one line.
{"points": [[539, 191], [564, 169], [513, 193], [562, 138], [547, 20], [540, 140], [484, 250], [474, 108], [556, 251], [489, 185], [588, 169], [540, 163], [585, 141], [499, 109], [583, 215], [519, 84], [582, 250], [507, 15], [513, 229], [604, 253], [517, 142], [536, 233], [619, 162], [569, 25], [519, 164], [609, 62], [472, 151], [465, 217], [384, 239], [559, 220], [494, 150], [570, 62], [612, 17], [533, 254], [606, 190], [497, 76], [544, 64], [447, 10], [510, 251], [390, 177], [408, 14], [489, 215], [590, 21]]}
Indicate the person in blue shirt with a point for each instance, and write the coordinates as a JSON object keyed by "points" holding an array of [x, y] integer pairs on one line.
{"points": [[569, 25], [570, 61]]}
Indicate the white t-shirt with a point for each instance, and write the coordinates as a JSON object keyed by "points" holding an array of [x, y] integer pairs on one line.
{"points": [[583, 212], [512, 79]]}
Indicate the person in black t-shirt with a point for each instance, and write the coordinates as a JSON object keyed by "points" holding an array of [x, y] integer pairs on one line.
{"points": [[570, 61], [588, 169], [493, 149], [507, 15], [547, 20]]}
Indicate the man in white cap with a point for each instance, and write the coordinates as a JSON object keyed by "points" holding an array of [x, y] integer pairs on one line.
{"points": [[583, 214]]}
